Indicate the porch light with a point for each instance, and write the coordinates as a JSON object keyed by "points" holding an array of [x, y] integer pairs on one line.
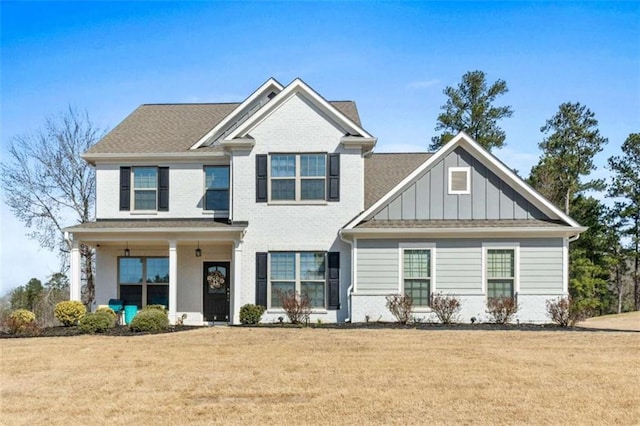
{"points": [[198, 251], [127, 252]]}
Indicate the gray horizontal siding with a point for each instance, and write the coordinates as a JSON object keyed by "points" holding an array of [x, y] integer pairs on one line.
{"points": [[458, 267], [377, 266], [428, 198], [541, 265]]}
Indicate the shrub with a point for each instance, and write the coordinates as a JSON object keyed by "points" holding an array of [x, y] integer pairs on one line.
{"points": [[565, 311], [22, 321], [297, 306], [151, 320], [501, 309], [109, 313], [446, 307], [69, 312], [251, 314], [98, 322], [161, 308], [400, 307]]}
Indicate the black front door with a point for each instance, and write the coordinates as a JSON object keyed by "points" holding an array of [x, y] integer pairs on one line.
{"points": [[216, 282]]}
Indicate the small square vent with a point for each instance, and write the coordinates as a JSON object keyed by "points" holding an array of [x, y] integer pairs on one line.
{"points": [[459, 181]]}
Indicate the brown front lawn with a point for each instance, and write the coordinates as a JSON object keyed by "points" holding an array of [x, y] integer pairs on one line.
{"points": [[228, 375]]}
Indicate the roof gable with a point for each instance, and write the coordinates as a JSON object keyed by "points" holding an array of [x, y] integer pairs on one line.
{"points": [[243, 112], [524, 199], [299, 88]]}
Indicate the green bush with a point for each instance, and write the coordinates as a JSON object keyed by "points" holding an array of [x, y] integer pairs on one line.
{"points": [[161, 308], [69, 312], [151, 320], [251, 314], [109, 313], [98, 322], [22, 321]]}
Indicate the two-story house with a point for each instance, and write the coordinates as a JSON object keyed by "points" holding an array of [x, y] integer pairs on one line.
{"points": [[207, 207]]}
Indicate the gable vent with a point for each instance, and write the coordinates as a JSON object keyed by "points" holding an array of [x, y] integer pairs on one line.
{"points": [[271, 95], [459, 180]]}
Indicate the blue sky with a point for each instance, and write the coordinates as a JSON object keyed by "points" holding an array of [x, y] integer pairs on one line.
{"points": [[393, 58]]}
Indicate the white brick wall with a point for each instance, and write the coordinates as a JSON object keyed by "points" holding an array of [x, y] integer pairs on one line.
{"points": [[296, 127], [186, 191], [532, 309]]}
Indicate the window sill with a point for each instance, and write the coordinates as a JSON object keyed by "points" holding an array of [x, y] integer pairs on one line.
{"points": [[298, 203], [141, 212]]}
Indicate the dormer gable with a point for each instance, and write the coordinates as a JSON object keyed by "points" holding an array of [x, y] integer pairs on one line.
{"points": [[265, 93]]}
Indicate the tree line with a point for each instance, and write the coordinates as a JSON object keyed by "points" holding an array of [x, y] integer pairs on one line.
{"points": [[48, 185]]}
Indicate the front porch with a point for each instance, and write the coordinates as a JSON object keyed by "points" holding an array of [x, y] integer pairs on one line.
{"points": [[192, 267]]}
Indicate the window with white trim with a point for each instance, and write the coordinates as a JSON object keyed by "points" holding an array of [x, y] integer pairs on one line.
{"points": [[143, 280], [298, 177], [500, 273], [459, 180], [299, 272], [417, 276], [216, 183], [145, 188]]}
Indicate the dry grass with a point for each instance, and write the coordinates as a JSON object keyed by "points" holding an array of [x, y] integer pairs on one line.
{"points": [[626, 321], [313, 376]]}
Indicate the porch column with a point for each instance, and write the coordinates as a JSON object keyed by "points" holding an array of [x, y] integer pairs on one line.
{"points": [[75, 284], [173, 281], [236, 258]]}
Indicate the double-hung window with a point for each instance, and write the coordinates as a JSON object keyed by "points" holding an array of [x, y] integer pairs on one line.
{"points": [[417, 275], [298, 177], [144, 279], [297, 272], [500, 273], [216, 182], [145, 188]]}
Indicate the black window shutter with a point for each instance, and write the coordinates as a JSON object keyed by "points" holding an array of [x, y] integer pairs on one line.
{"points": [[163, 189], [333, 178], [333, 279], [261, 279], [261, 178], [125, 188]]}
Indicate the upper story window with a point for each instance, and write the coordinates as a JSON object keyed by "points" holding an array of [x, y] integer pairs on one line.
{"points": [[459, 180], [216, 183], [146, 187], [298, 177]]}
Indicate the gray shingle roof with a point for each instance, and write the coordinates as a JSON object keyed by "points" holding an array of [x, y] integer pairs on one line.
{"points": [[160, 128], [448, 223], [384, 171]]}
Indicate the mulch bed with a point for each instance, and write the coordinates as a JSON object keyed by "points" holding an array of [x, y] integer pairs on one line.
{"points": [[75, 331], [125, 331]]}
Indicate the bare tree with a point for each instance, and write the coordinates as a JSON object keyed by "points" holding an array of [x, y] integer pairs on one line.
{"points": [[48, 186]]}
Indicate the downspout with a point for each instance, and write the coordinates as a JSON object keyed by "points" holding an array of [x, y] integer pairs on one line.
{"points": [[350, 288]]}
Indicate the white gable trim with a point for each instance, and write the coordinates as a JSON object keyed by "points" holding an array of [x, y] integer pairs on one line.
{"points": [[270, 85], [495, 165], [298, 86]]}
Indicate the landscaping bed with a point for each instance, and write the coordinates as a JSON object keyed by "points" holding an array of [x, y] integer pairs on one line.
{"points": [[75, 331]]}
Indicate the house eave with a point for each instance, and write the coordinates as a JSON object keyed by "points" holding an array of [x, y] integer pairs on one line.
{"points": [[484, 232], [151, 156], [366, 144]]}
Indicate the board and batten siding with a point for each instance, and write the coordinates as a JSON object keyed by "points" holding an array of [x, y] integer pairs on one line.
{"points": [[458, 265], [428, 198]]}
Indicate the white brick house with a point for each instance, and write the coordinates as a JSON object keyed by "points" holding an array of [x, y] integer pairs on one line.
{"points": [[207, 207]]}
